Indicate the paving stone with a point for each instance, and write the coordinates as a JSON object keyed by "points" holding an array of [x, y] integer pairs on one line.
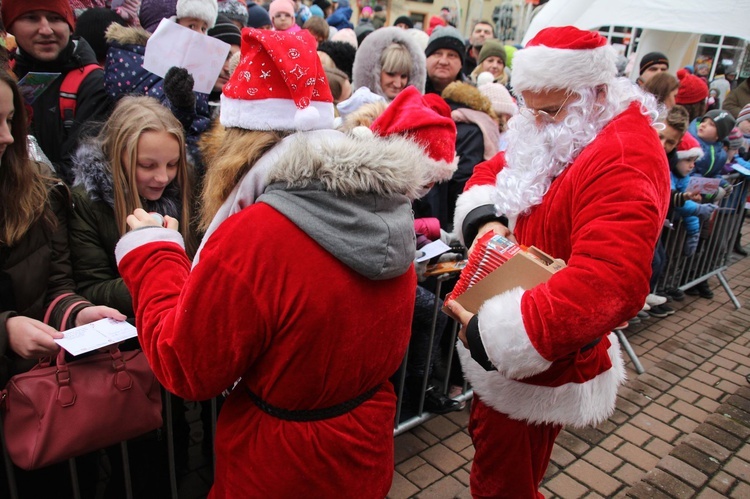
{"points": [[655, 427], [425, 475], [651, 380], [410, 465], [460, 418], [744, 452], [690, 410], [685, 425], [701, 388], [685, 472], [446, 488], [735, 414], [572, 444], [633, 434], [605, 461], [468, 453], [661, 413], [427, 437], [673, 368], [643, 490], [593, 478], [658, 447], [457, 442], [741, 491], [401, 488], [668, 484], [441, 427], [637, 456], [588, 434], [684, 363], [406, 446], [645, 389], [462, 476], [739, 402], [633, 396], [564, 486], [561, 457], [709, 493], [738, 467], [705, 377], [697, 459], [611, 443], [730, 375], [729, 425], [721, 437], [626, 406], [683, 393], [707, 404], [629, 474], [443, 458]]}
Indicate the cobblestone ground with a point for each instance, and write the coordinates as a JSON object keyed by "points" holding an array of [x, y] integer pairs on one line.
{"points": [[680, 430]]}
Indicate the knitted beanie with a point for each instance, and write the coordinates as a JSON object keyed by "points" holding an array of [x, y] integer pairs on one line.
{"points": [[226, 31], [205, 10], [153, 11], [502, 102], [362, 30], [404, 20], [744, 115], [692, 89], [317, 11], [723, 120], [91, 27], [735, 140], [652, 58], [234, 11], [341, 53], [13, 9], [281, 6], [446, 37], [346, 35], [491, 48], [257, 16]]}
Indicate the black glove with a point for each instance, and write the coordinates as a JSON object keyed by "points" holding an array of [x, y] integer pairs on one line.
{"points": [[178, 86]]}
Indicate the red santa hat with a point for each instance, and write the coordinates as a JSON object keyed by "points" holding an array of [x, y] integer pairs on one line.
{"points": [[689, 148], [563, 57], [279, 84], [424, 119]]}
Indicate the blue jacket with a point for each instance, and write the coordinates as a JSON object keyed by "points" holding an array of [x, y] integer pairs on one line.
{"points": [[340, 18], [714, 155], [689, 209]]}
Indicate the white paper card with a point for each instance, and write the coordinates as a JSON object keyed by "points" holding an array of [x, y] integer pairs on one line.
{"points": [[95, 335], [703, 185], [432, 250], [174, 45]]}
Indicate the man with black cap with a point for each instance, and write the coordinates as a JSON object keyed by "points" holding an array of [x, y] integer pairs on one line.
{"points": [[43, 31], [445, 57], [652, 64]]}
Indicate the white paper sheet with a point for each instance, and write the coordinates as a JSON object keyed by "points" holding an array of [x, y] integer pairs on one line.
{"points": [[174, 45], [95, 335], [432, 250]]}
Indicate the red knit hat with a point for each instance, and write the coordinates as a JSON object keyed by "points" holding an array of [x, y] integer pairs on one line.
{"points": [[689, 148], [563, 57], [692, 89], [425, 119], [13, 9], [279, 84]]}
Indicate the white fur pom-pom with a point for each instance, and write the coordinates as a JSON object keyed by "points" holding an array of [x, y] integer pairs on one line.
{"points": [[306, 119], [484, 77], [361, 132]]}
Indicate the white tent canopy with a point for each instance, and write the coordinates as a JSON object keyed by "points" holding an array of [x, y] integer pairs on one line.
{"points": [[717, 17]]}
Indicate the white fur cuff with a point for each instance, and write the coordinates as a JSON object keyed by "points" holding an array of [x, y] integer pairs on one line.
{"points": [[137, 238], [505, 338], [475, 197]]}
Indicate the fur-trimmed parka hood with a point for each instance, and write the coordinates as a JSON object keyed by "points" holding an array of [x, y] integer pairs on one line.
{"points": [[366, 70], [92, 171], [126, 35]]}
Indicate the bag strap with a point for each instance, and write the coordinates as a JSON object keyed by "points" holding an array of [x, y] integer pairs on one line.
{"points": [[69, 92], [52, 305]]}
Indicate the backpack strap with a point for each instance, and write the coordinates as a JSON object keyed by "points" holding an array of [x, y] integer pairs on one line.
{"points": [[69, 92]]}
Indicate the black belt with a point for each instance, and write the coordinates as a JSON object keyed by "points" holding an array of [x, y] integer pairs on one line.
{"points": [[307, 415], [591, 345]]}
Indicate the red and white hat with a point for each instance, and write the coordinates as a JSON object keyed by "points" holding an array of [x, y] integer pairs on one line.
{"points": [[425, 120], [689, 148], [279, 84], [565, 58]]}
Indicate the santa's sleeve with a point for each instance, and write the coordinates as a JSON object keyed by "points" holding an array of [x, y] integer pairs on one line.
{"points": [[475, 206]]}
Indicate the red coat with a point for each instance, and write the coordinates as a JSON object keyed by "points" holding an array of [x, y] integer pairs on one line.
{"points": [[304, 332], [602, 215]]}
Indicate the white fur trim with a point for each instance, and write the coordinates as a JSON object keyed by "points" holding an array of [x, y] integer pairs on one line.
{"points": [[272, 114], [505, 338], [574, 404], [137, 238], [695, 152], [542, 68], [475, 197], [206, 10], [440, 171]]}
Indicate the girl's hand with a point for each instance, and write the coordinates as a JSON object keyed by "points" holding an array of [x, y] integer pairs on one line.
{"points": [[140, 219], [30, 338], [91, 314]]}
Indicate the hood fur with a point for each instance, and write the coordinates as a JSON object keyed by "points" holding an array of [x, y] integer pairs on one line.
{"points": [[353, 165], [125, 35], [366, 70], [468, 96]]}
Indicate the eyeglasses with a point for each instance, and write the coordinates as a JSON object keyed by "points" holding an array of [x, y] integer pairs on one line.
{"points": [[544, 115]]}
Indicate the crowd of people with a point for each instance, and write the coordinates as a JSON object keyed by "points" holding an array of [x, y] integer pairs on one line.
{"points": [[265, 237]]}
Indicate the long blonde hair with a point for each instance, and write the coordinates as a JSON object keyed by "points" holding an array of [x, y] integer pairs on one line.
{"points": [[119, 139], [24, 189]]}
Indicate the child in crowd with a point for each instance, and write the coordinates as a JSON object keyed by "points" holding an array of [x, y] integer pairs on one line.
{"points": [[681, 166], [282, 16], [197, 15], [136, 161], [318, 28], [743, 123], [710, 130], [503, 105]]}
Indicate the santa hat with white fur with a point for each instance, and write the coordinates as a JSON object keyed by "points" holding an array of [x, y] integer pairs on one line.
{"points": [[205, 10], [279, 84], [563, 57], [425, 119], [689, 148]]}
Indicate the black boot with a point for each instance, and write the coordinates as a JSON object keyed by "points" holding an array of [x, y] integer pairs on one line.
{"points": [[739, 249]]}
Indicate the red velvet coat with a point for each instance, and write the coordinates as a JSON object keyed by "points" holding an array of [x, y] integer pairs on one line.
{"points": [[602, 215]]}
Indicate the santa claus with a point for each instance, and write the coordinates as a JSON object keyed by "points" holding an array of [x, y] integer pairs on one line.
{"points": [[585, 180]]}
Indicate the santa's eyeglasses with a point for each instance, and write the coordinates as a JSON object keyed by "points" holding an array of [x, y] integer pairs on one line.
{"points": [[530, 113]]}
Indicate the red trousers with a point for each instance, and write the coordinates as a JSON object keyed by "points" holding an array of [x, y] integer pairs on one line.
{"points": [[510, 456]]}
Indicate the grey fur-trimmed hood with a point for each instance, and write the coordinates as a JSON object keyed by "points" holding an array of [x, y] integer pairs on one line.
{"points": [[366, 70]]}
